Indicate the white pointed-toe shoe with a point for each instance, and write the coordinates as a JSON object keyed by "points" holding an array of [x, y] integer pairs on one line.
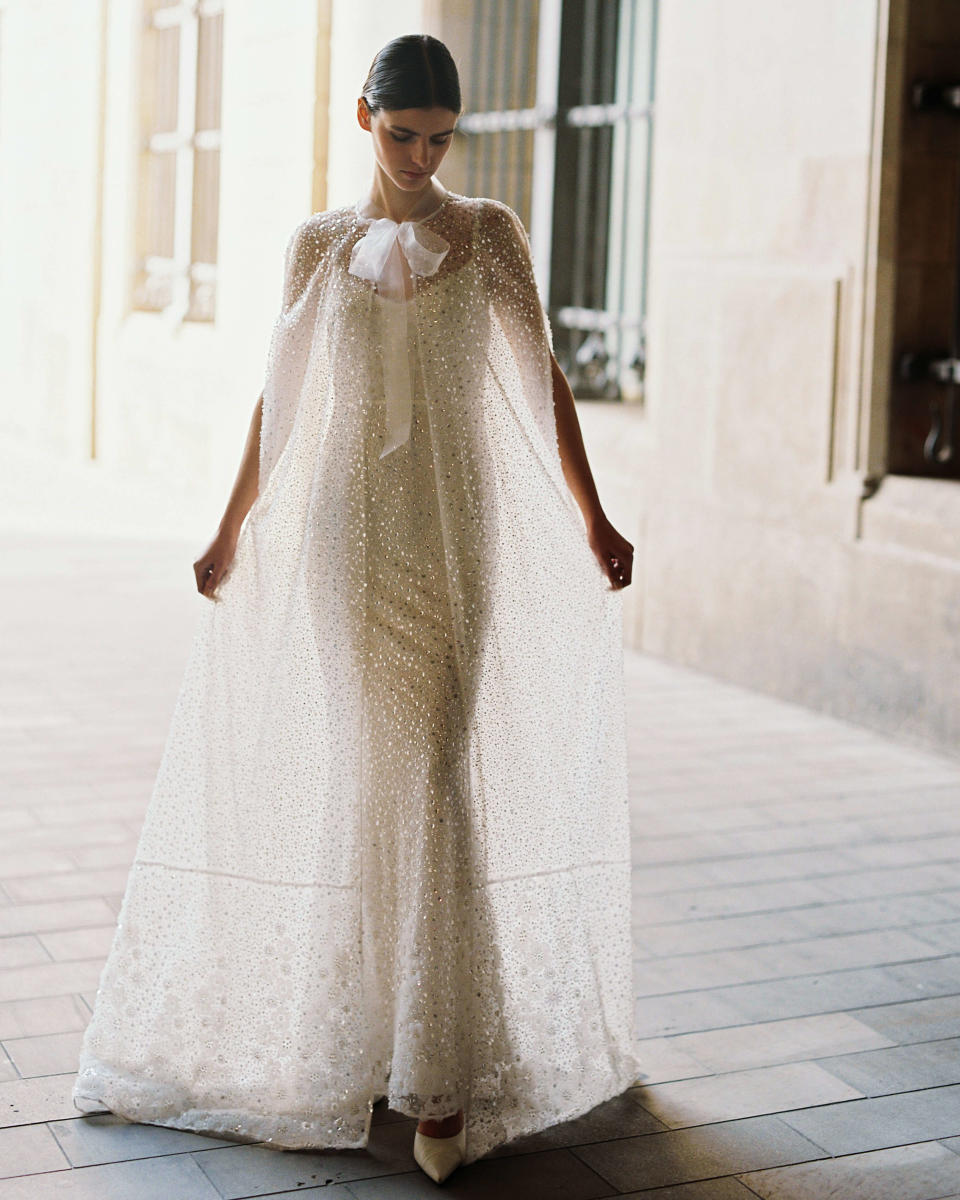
{"points": [[438, 1156]]}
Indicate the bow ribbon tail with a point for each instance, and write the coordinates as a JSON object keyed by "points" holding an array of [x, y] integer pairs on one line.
{"points": [[396, 376], [379, 256]]}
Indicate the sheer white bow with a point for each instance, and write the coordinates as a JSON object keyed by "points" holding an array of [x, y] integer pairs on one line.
{"points": [[385, 255]]}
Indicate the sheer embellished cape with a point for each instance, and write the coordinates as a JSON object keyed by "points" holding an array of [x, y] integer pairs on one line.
{"points": [[242, 992]]}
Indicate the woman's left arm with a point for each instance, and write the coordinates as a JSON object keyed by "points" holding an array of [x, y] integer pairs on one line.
{"points": [[612, 550]]}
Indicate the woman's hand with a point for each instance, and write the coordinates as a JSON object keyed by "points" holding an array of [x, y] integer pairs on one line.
{"points": [[613, 551], [213, 563]]}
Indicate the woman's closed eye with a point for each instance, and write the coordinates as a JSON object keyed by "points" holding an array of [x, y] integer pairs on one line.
{"points": [[438, 141]]}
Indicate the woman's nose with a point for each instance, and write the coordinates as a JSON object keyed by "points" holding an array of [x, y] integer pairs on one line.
{"points": [[421, 154]]}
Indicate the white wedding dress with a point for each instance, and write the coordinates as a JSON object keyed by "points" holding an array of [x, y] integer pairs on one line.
{"points": [[387, 850]]}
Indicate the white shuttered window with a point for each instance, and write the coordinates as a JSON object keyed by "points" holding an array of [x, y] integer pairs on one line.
{"points": [[179, 176]]}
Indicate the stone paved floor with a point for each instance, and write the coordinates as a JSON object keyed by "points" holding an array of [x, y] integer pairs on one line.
{"points": [[797, 932]]}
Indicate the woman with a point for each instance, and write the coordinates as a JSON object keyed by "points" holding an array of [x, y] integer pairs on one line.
{"points": [[387, 850]]}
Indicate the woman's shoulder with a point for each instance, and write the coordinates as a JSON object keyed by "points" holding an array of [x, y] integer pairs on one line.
{"points": [[321, 229], [489, 213], [500, 230], [491, 226], [309, 245]]}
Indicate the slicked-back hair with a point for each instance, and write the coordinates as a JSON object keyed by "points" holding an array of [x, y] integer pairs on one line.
{"points": [[413, 71]]}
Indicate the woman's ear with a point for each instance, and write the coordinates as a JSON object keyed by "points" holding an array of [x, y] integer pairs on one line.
{"points": [[363, 114]]}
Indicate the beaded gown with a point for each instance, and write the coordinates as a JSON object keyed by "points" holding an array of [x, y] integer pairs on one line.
{"points": [[387, 850]]}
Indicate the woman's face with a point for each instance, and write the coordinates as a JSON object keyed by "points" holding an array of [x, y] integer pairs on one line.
{"points": [[409, 143]]}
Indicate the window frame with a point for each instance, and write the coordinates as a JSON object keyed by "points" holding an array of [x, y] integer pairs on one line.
{"points": [[183, 142], [544, 119]]}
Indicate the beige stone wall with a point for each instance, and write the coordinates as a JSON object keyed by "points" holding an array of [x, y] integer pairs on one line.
{"points": [[178, 400], [48, 181], [757, 558]]}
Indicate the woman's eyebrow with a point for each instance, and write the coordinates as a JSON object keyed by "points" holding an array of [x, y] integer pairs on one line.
{"points": [[403, 129]]}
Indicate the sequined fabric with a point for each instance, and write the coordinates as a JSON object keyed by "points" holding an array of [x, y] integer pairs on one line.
{"points": [[387, 849]]}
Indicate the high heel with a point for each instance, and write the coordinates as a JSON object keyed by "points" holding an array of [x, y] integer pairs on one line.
{"points": [[438, 1156]]}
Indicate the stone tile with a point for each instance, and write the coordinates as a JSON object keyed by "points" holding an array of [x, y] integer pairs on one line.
{"points": [[58, 914], [708, 1189], [926, 877], [938, 825], [66, 884], [259, 1170], [699, 901], [335, 1191], [27, 1149], [907, 851], [53, 1014], [49, 979], [119, 854], [70, 837], [45, 1098], [55, 813], [934, 976], [105, 1137], [20, 819], [920, 1172], [879, 1122], [801, 863], [68, 945], [551, 1175], [668, 822], [842, 953], [839, 991], [827, 920], [743, 844], [879, 913], [174, 1178], [744, 1094], [924, 1020], [33, 862], [21, 951], [654, 1018], [45, 1054], [811, 956], [767, 1043], [943, 937], [702, 1152], [899, 1068], [664, 1059], [867, 804]]}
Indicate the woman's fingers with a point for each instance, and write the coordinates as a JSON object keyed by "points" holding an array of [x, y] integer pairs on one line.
{"points": [[614, 553], [204, 571], [620, 569], [213, 565]]}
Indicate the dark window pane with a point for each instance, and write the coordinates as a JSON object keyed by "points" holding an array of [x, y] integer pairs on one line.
{"points": [[161, 179], [209, 71], [206, 199]]}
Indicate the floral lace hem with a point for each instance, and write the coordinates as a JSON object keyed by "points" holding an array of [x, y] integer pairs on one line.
{"points": [[489, 1122]]}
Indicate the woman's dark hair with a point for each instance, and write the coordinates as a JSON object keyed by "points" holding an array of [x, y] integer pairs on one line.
{"points": [[413, 71]]}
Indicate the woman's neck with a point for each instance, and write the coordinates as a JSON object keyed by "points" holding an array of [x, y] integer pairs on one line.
{"points": [[387, 199]]}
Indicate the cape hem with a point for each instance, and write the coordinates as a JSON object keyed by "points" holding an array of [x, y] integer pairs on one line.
{"points": [[125, 1097]]}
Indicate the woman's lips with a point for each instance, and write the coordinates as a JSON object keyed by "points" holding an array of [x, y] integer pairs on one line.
{"points": [[414, 174]]}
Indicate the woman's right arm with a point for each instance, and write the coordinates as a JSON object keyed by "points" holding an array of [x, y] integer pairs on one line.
{"points": [[211, 566]]}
